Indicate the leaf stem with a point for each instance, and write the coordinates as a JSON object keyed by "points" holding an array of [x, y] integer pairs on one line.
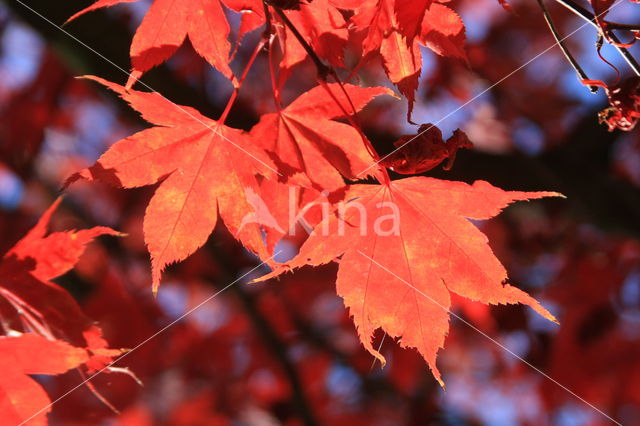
{"points": [[323, 72], [236, 90], [565, 50], [275, 89]]}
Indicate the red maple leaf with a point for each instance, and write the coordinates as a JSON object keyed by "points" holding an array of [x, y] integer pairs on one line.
{"points": [[443, 32], [322, 26], [167, 24], [28, 269], [21, 397], [55, 254], [403, 247], [196, 159], [402, 59], [319, 23], [58, 335], [395, 29], [306, 142], [410, 15]]}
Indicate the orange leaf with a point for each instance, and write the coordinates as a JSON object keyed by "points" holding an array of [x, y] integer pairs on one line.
{"points": [[443, 32], [21, 397], [404, 247], [44, 307], [410, 15], [196, 160], [395, 28], [304, 138], [322, 26], [403, 64], [27, 269], [167, 24], [57, 253]]}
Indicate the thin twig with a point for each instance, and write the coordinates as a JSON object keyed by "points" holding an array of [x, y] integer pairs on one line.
{"points": [[565, 50], [323, 70], [236, 90], [624, 27], [591, 18]]}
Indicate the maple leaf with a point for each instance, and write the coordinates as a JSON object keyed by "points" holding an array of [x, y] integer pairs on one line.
{"points": [[443, 32], [29, 266], [410, 15], [402, 59], [320, 24], [323, 27], [56, 253], [21, 397], [196, 159], [41, 306], [403, 248], [308, 145], [395, 30], [402, 64], [167, 24]]}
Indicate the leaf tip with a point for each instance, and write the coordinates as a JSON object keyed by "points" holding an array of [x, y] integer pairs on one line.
{"points": [[552, 194], [273, 274], [382, 359], [544, 313]]}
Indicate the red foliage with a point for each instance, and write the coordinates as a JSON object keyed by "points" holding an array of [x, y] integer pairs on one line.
{"points": [[48, 316], [299, 186]]}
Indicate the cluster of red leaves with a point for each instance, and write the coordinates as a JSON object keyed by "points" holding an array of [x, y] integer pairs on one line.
{"points": [[196, 160], [46, 331], [388, 29], [400, 282], [394, 30]]}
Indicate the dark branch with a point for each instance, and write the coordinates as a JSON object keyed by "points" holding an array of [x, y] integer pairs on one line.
{"points": [[591, 18], [271, 339], [581, 74]]}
